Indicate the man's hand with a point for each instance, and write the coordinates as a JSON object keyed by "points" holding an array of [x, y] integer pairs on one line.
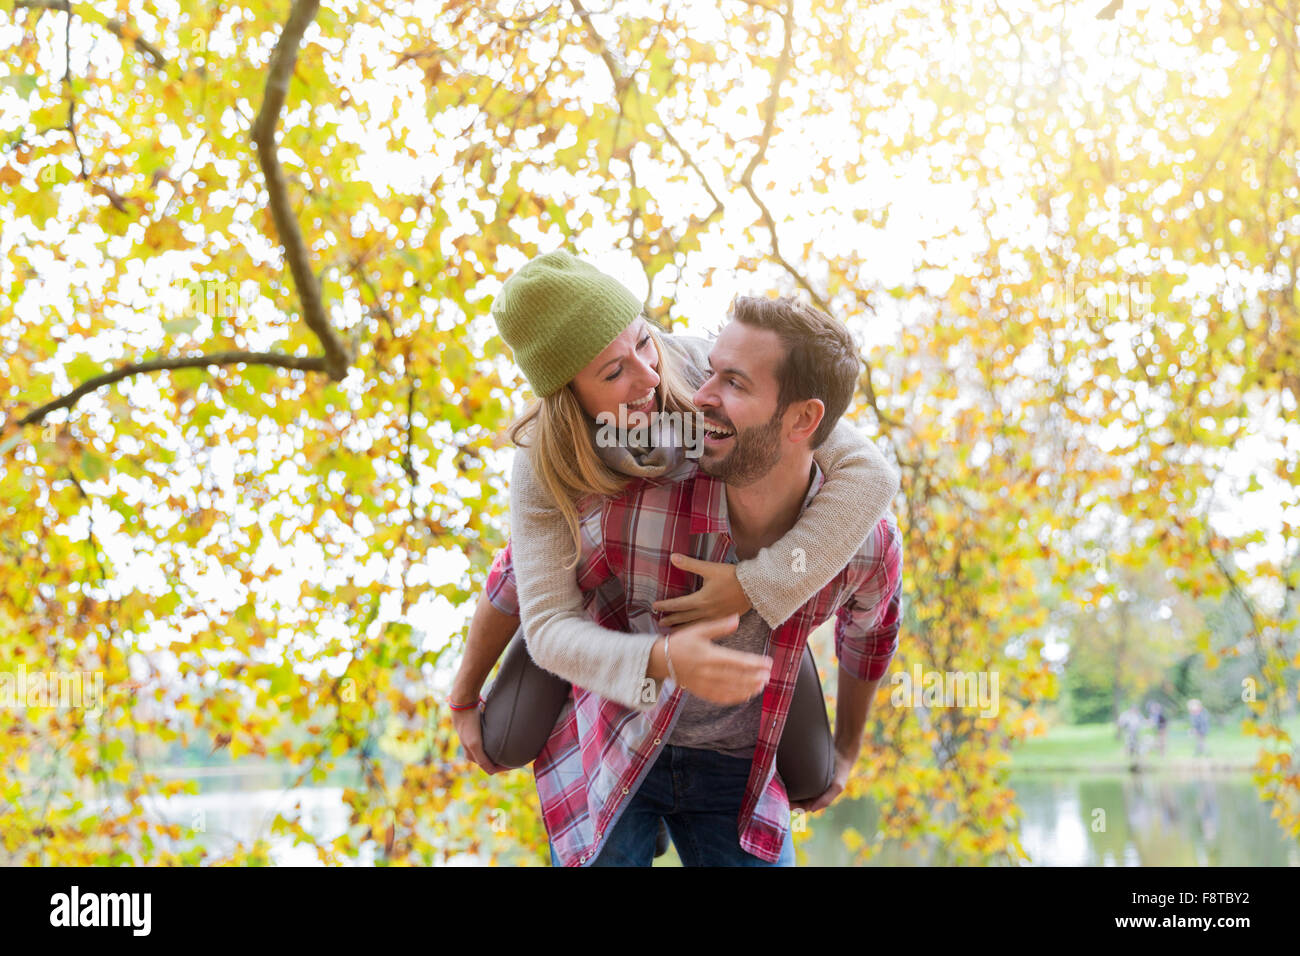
{"points": [[490, 631], [843, 769], [470, 731], [719, 595]]}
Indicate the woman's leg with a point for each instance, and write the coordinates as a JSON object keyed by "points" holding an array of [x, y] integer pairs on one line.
{"points": [[521, 707], [805, 757]]}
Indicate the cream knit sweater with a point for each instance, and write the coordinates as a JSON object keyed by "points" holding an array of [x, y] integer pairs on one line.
{"points": [[858, 489]]}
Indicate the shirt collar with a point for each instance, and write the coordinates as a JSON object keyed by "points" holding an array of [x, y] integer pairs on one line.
{"points": [[709, 502]]}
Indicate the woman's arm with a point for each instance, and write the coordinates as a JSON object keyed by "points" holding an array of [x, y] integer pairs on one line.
{"points": [[857, 492], [560, 636]]}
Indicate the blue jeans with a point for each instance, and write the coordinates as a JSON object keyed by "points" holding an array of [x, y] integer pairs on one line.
{"points": [[698, 793]]}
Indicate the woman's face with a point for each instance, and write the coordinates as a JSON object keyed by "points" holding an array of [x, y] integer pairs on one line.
{"points": [[625, 373]]}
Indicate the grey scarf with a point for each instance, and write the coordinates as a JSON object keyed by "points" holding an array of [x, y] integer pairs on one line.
{"points": [[655, 458]]}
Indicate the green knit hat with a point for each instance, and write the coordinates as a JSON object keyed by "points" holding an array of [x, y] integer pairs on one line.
{"points": [[557, 313]]}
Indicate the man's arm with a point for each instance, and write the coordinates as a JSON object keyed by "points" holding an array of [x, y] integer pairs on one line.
{"points": [[866, 637], [853, 699], [490, 631], [494, 623]]}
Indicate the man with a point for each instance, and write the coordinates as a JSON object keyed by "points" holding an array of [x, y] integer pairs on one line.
{"points": [[1130, 724], [1200, 722], [781, 374]]}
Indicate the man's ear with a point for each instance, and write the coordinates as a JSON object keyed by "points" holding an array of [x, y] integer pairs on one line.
{"points": [[803, 418]]}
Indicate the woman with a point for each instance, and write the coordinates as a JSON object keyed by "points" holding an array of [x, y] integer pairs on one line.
{"points": [[586, 349]]}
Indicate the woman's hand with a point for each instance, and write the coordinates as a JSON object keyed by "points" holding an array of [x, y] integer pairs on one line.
{"points": [[470, 731], [719, 595], [720, 675]]}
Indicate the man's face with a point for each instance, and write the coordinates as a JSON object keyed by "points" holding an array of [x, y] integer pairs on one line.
{"points": [[739, 398]]}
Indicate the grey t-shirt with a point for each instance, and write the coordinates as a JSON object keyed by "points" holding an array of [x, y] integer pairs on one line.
{"points": [[729, 729]]}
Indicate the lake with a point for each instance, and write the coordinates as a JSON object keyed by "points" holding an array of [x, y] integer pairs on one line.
{"points": [[1069, 819], [1121, 819]]}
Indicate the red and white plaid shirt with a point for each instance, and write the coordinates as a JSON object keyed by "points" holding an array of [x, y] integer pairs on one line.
{"points": [[599, 751]]}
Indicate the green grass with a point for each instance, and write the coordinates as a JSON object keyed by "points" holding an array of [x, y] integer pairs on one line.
{"points": [[1095, 747]]}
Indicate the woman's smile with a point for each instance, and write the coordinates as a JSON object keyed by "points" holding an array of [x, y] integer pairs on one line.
{"points": [[646, 404]]}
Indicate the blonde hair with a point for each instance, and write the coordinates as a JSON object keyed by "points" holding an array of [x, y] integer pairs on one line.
{"points": [[559, 434]]}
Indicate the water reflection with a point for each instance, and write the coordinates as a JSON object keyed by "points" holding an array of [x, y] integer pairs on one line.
{"points": [[1068, 819], [1106, 820], [1150, 820], [234, 808]]}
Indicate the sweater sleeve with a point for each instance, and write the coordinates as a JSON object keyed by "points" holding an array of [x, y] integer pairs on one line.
{"points": [[561, 638], [857, 491]]}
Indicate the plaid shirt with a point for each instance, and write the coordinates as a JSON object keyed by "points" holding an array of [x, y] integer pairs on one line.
{"points": [[599, 751]]}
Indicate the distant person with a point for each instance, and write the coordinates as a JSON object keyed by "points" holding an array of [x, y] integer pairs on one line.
{"points": [[1200, 720], [1130, 724], [1156, 715]]}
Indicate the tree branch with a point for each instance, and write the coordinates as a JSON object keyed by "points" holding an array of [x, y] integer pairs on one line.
{"points": [[616, 72], [690, 164], [873, 400], [116, 27], [769, 125], [377, 306], [313, 363], [143, 46], [91, 540], [72, 98], [621, 81], [408, 462], [279, 71]]}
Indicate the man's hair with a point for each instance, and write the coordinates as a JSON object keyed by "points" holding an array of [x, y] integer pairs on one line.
{"points": [[821, 358]]}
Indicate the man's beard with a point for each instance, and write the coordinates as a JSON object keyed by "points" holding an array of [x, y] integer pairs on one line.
{"points": [[753, 453]]}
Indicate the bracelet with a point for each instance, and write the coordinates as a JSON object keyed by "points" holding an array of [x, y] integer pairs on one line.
{"points": [[473, 706], [671, 672]]}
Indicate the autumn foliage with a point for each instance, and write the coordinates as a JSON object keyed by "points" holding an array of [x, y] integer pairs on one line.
{"points": [[252, 400]]}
